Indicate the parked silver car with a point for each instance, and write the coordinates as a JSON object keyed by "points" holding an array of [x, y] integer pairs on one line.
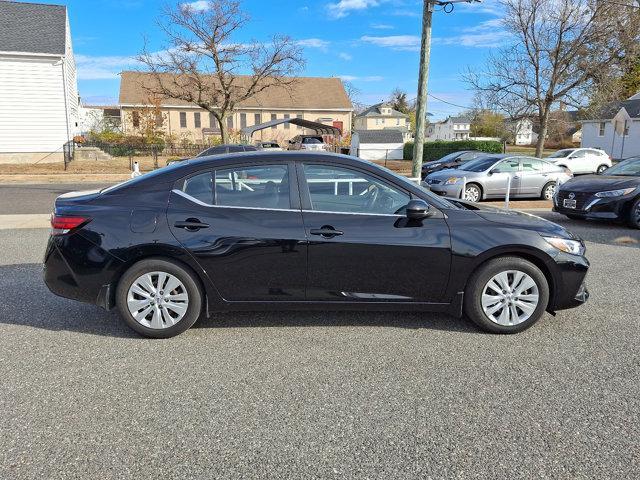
{"points": [[488, 177]]}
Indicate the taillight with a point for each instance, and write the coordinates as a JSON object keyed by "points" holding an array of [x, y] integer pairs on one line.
{"points": [[61, 224]]}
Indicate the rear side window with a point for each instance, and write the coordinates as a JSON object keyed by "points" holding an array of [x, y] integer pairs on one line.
{"points": [[200, 187], [532, 165], [312, 140], [236, 148], [264, 186]]}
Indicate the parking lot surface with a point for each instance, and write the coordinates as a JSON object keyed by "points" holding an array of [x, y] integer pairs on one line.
{"points": [[321, 395]]}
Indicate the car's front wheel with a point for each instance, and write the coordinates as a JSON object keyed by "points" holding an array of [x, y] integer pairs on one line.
{"points": [[159, 298], [506, 295], [548, 191], [634, 214], [472, 192]]}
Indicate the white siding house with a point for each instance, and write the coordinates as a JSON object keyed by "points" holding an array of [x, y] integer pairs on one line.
{"points": [[378, 144], [453, 128], [617, 130], [38, 90]]}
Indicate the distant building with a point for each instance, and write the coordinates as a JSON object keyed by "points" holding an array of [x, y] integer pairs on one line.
{"points": [[521, 131], [380, 144], [98, 118], [615, 129], [322, 100], [383, 117], [453, 128], [38, 88]]}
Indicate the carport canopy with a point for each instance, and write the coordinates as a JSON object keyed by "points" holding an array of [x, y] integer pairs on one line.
{"points": [[319, 128]]}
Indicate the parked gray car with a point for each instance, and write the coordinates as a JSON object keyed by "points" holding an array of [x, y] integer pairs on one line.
{"points": [[487, 177]]}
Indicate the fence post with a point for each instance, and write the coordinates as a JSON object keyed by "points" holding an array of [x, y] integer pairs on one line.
{"points": [[154, 153], [506, 198], [386, 156]]}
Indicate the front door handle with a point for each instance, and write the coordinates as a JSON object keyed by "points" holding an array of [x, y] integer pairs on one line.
{"points": [[191, 224], [326, 231]]}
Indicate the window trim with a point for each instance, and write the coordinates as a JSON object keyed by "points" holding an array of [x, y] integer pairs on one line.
{"points": [[305, 194]]}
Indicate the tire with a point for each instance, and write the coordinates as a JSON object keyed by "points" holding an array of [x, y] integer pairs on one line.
{"points": [[634, 214], [479, 283], [601, 168], [573, 217], [548, 191], [164, 317], [474, 190]]}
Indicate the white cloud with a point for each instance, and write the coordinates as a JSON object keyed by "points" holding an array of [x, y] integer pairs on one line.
{"points": [[353, 78], [487, 34], [313, 43], [486, 25], [395, 42], [199, 6], [345, 56], [102, 68], [343, 7], [382, 26]]}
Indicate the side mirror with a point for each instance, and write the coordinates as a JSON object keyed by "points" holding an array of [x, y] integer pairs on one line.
{"points": [[418, 210]]}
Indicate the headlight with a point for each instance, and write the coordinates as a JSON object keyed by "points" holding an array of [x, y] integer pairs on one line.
{"points": [[435, 165], [451, 181], [564, 245], [615, 193]]}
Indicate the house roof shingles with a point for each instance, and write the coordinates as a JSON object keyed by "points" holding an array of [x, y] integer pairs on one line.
{"points": [[380, 136], [374, 111], [32, 28], [307, 93], [632, 106]]}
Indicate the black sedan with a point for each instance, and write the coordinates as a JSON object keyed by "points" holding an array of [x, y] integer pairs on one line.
{"points": [[452, 160], [296, 230], [611, 195]]}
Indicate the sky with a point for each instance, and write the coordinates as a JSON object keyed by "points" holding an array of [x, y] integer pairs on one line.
{"points": [[372, 43]]}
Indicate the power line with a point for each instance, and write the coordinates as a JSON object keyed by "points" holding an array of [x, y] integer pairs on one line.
{"points": [[449, 103]]}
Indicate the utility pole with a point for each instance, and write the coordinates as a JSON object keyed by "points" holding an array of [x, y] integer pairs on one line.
{"points": [[423, 77], [423, 80]]}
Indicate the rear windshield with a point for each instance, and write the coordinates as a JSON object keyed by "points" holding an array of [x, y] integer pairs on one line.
{"points": [[144, 177], [479, 165], [315, 140]]}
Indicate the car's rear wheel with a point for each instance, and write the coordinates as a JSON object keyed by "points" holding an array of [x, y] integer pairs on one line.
{"points": [[634, 214], [506, 295], [548, 191], [159, 298], [472, 192], [601, 168]]}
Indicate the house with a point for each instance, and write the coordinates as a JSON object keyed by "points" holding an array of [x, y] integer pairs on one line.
{"points": [[521, 131], [615, 129], [322, 100], [98, 118], [382, 117], [453, 128], [38, 88], [379, 144]]}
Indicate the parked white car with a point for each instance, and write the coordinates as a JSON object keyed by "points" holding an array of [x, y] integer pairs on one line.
{"points": [[581, 160]]}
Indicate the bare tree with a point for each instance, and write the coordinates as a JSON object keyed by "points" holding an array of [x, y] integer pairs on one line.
{"points": [[202, 63], [353, 93], [559, 47]]}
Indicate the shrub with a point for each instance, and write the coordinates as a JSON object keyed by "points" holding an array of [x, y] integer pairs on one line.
{"points": [[438, 149]]}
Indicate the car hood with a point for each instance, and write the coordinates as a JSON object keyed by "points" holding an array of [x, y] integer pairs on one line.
{"points": [[599, 183], [515, 218]]}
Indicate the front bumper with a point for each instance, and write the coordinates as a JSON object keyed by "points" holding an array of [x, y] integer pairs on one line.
{"points": [[569, 289], [452, 191], [590, 206]]}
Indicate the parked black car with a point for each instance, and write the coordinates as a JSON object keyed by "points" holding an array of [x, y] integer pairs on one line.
{"points": [[613, 194], [303, 230], [452, 160]]}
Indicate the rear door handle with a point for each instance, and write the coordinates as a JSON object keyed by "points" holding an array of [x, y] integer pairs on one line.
{"points": [[191, 224], [326, 231]]}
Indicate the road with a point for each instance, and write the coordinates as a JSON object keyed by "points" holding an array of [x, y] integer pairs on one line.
{"points": [[320, 395], [29, 199]]}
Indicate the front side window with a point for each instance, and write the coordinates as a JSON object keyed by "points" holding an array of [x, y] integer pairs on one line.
{"points": [[200, 187], [264, 186], [336, 189]]}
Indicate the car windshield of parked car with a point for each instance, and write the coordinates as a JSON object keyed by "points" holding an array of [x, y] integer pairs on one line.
{"points": [[451, 156], [314, 140], [630, 167], [562, 153], [479, 165]]}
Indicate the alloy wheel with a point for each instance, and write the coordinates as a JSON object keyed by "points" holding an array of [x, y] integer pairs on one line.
{"points": [[472, 193], [157, 300], [510, 298], [550, 191], [601, 168], [635, 215]]}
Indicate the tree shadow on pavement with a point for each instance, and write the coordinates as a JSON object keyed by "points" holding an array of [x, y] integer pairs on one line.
{"points": [[25, 300]]}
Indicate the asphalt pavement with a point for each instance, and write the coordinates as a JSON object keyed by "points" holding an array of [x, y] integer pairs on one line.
{"points": [[33, 198], [320, 394]]}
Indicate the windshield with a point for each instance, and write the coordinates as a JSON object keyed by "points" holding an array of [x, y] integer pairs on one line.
{"points": [[630, 167], [561, 153], [479, 165], [451, 156]]}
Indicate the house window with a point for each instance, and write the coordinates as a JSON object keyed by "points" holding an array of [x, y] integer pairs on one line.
{"points": [[135, 119], [286, 125], [300, 117], [196, 119], [183, 119], [397, 121], [274, 117], [230, 122], [243, 120], [602, 127], [159, 119], [257, 118], [626, 129], [213, 123]]}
